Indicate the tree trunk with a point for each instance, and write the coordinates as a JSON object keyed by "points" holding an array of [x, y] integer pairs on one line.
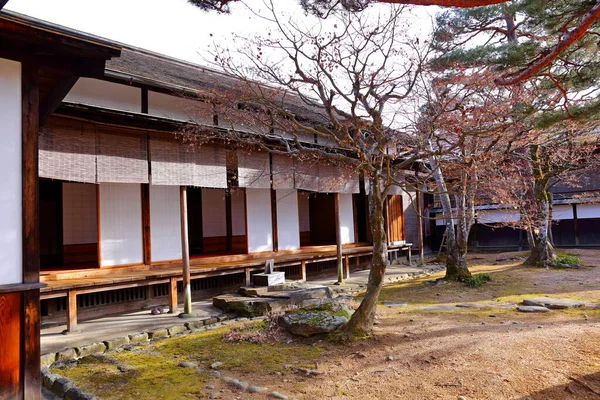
{"points": [[456, 244], [361, 322], [541, 251]]}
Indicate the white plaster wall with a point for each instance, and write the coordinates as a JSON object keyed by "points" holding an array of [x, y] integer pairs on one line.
{"points": [[106, 94], [120, 224], [11, 247], [238, 213], [183, 109], [588, 211], [79, 213], [288, 229], [346, 218], [562, 211], [165, 223], [303, 212], [260, 235], [214, 220], [497, 216]]}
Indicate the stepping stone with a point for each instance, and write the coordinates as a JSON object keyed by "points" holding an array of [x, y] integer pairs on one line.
{"points": [[395, 303], [472, 305], [532, 309], [555, 304], [437, 308]]}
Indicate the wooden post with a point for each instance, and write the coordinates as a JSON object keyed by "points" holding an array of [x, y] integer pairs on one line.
{"points": [[146, 244], [338, 239], [420, 229], [347, 266], [185, 254], [71, 311], [409, 255], [274, 220], [575, 224], [303, 270], [247, 273], [30, 314], [172, 295]]}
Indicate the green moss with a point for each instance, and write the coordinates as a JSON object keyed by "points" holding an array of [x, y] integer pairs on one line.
{"points": [[567, 258], [152, 371], [477, 280]]}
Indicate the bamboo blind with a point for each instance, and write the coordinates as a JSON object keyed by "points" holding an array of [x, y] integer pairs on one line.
{"points": [[254, 170], [283, 172], [175, 162], [122, 156], [67, 151]]}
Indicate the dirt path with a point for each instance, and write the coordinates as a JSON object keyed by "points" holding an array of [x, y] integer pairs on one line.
{"points": [[478, 353]]}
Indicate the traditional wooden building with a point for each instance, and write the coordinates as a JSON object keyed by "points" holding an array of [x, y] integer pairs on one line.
{"points": [[97, 172], [39, 63]]}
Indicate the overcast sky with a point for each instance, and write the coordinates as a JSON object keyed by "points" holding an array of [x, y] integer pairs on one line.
{"points": [[171, 27]]}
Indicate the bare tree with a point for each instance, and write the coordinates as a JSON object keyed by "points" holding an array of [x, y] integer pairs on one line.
{"points": [[348, 82]]}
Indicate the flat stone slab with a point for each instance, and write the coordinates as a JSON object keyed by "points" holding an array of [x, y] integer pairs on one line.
{"points": [[437, 308], [471, 305], [532, 309], [263, 279], [395, 303], [555, 304]]}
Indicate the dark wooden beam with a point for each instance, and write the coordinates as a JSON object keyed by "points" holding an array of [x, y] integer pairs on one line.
{"points": [[144, 101], [185, 253], [3, 3], [274, 220], [338, 239], [575, 224], [30, 317], [146, 242], [55, 96], [228, 221]]}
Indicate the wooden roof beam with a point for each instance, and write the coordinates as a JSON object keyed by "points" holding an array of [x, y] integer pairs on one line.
{"points": [[3, 3], [55, 96]]}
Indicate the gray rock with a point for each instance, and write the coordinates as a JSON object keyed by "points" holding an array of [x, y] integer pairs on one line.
{"points": [[47, 359], [210, 387], [64, 364], [90, 349], [61, 386], [210, 321], [116, 342], [123, 368], [532, 309], [48, 378], [138, 337], [240, 384], [257, 389], [174, 330], [555, 304], [216, 365], [470, 305], [390, 358], [215, 373], [187, 364], [158, 333], [227, 379], [395, 303], [278, 395], [194, 324], [437, 308], [214, 395], [311, 322], [77, 394], [66, 354]]}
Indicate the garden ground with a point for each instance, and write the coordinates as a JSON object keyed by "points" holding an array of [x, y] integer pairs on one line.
{"points": [[486, 352]]}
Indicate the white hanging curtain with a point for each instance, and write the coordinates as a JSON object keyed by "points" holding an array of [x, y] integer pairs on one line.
{"points": [[122, 156]]}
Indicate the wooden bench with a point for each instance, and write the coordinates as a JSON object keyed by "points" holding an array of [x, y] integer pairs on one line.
{"points": [[146, 276]]}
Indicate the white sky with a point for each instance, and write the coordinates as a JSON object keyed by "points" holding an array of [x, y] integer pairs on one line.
{"points": [[171, 27]]}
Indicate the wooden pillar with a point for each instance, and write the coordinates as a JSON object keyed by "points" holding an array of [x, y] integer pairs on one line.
{"points": [[338, 239], [303, 270], [10, 348], [575, 224], [228, 221], [146, 244], [185, 254], [420, 228], [172, 295], [274, 220], [248, 276], [149, 292], [71, 311], [347, 266], [30, 316]]}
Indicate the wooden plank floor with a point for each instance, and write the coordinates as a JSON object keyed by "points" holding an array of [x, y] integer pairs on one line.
{"points": [[98, 279]]}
